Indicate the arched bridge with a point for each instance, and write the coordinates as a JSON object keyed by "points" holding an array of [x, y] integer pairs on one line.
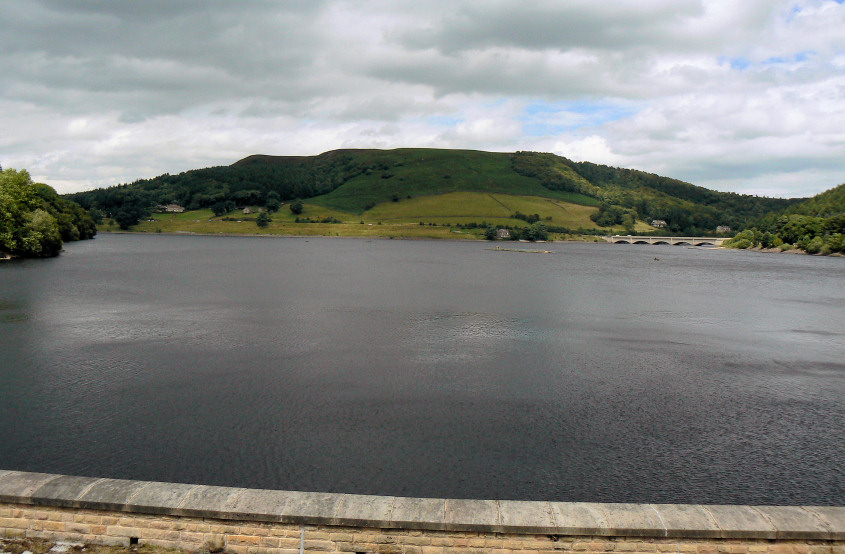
{"points": [[684, 241]]}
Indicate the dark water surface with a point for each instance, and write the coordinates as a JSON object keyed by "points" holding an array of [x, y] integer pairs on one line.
{"points": [[595, 373]]}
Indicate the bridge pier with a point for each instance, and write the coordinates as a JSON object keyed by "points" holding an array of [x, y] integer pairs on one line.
{"points": [[651, 239]]}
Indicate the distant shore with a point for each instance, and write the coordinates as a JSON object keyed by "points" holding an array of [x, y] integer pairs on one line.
{"points": [[465, 237], [462, 237]]}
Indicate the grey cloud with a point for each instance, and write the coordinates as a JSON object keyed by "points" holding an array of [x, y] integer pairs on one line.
{"points": [[194, 51], [553, 25], [132, 88]]}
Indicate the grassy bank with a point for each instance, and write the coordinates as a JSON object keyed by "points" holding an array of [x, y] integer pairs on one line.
{"points": [[441, 216]]}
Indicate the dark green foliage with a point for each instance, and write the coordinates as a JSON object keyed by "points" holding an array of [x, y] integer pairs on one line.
{"points": [[491, 233], [273, 205], [251, 181], [826, 204], [357, 180], [687, 208], [263, 220], [533, 218], [223, 207], [34, 220], [296, 207], [816, 235], [535, 232], [127, 217], [96, 215]]}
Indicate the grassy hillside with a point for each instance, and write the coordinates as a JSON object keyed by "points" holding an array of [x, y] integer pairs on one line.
{"points": [[420, 172], [467, 207], [450, 215], [355, 182]]}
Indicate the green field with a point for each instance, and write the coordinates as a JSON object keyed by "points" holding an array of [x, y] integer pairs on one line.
{"points": [[424, 172], [478, 207], [435, 216]]}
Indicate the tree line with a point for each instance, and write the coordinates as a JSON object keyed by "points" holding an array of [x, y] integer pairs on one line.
{"points": [[34, 220], [628, 195], [254, 181]]}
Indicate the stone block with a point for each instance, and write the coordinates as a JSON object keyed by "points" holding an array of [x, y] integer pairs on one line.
{"points": [[579, 518], [210, 502], [108, 541], [473, 515], [741, 522], [311, 508], [687, 520], [62, 491], [260, 505], [57, 526], [416, 541], [527, 517], [119, 531], [161, 543], [364, 511], [14, 523], [833, 517], [110, 494], [13, 533], [633, 520], [242, 540], [160, 498], [322, 546], [421, 513], [270, 542], [18, 486], [795, 522]]}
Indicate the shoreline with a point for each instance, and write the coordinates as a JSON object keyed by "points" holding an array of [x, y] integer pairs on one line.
{"points": [[457, 238], [355, 237]]}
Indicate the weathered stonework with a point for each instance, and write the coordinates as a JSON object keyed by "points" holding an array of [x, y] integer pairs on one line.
{"points": [[247, 521]]}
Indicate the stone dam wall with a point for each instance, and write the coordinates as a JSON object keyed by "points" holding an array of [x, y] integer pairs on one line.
{"points": [[238, 520]]}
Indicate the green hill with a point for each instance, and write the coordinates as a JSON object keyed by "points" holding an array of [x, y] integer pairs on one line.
{"points": [[828, 203], [356, 182], [816, 225]]}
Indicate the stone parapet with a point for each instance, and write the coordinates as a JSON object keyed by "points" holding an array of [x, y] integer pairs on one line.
{"points": [[250, 520]]}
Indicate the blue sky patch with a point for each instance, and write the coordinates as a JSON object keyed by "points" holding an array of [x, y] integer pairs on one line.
{"points": [[541, 119]]}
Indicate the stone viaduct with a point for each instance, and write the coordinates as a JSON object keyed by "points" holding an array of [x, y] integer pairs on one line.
{"points": [[681, 241]]}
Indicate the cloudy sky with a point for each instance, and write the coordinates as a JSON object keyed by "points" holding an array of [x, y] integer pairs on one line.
{"points": [[743, 96]]}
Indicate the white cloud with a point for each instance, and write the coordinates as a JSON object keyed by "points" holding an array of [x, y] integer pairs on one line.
{"points": [[745, 96]]}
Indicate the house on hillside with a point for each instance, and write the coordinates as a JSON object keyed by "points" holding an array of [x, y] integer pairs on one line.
{"points": [[723, 229], [503, 234], [174, 208], [247, 210], [659, 223]]}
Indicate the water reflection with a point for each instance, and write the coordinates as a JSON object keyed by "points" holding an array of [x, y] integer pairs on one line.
{"points": [[429, 369]]}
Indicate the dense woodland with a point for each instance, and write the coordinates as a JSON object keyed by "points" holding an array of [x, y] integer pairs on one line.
{"points": [[628, 194], [252, 181], [34, 220], [357, 180], [816, 225]]}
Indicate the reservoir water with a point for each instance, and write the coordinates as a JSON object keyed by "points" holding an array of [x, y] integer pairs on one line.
{"points": [[597, 372]]}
